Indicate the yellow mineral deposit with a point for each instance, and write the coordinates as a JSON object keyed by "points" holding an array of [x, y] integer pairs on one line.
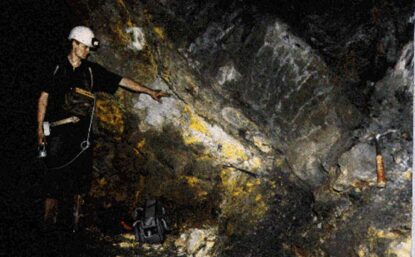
{"points": [[197, 124], [229, 179], [102, 182], [400, 248], [159, 31], [130, 23], [387, 234], [146, 68], [250, 186], [255, 163], [258, 197], [126, 13], [122, 36], [234, 152], [192, 180], [140, 144], [190, 139], [408, 174], [239, 191], [111, 116]]}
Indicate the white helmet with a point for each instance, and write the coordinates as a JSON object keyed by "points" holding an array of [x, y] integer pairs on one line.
{"points": [[84, 35]]}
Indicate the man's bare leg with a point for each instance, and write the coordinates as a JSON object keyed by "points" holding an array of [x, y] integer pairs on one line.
{"points": [[77, 211], [50, 210]]}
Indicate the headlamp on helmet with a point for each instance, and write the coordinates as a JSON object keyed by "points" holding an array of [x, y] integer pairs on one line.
{"points": [[95, 43]]}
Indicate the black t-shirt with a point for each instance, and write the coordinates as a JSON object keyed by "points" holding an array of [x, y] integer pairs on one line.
{"points": [[89, 76], [64, 86]]}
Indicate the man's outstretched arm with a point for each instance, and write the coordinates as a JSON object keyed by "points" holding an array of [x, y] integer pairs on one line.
{"points": [[136, 87]]}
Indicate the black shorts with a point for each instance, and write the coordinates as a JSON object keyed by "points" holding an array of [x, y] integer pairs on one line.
{"points": [[70, 180], [67, 174]]}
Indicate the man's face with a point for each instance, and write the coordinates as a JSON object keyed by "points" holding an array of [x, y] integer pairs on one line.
{"points": [[80, 50]]}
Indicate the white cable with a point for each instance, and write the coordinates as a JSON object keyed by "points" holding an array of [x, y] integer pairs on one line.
{"points": [[84, 144]]}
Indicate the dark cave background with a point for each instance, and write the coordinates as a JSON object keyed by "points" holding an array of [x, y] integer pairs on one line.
{"points": [[34, 35]]}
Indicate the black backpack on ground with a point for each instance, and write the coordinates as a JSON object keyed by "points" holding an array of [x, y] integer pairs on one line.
{"points": [[150, 225]]}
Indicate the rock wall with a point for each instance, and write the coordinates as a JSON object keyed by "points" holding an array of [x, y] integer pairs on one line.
{"points": [[256, 134], [272, 77], [380, 217]]}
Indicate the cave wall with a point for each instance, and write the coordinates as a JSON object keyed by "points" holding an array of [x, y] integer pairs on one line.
{"points": [[257, 124], [183, 151]]}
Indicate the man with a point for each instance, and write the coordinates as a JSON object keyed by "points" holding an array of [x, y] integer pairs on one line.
{"points": [[67, 102]]}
